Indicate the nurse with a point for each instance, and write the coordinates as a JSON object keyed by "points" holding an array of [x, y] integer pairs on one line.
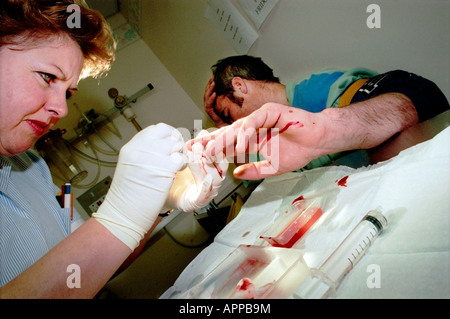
{"points": [[41, 62]]}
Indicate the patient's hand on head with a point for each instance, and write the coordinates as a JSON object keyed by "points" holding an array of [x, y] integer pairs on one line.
{"points": [[209, 102]]}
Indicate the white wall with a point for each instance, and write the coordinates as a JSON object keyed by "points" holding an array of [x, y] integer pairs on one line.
{"points": [[414, 36], [303, 36]]}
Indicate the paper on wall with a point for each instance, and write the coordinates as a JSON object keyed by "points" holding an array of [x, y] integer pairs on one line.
{"points": [[257, 10], [232, 24]]}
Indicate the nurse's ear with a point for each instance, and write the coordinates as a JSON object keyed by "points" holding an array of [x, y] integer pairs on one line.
{"points": [[239, 85]]}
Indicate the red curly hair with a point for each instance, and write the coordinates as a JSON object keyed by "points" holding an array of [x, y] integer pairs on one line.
{"points": [[25, 21]]}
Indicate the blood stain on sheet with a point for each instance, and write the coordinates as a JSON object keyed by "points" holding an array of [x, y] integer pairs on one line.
{"points": [[343, 181]]}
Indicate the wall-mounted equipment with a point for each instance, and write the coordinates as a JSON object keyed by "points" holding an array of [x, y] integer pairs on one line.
{"points": [[94, 197], [53, 148], [122, 103], [58, 151]]}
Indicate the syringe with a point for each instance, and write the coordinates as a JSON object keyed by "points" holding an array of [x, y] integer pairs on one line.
{"points": [[325, 279], [350, 251]]}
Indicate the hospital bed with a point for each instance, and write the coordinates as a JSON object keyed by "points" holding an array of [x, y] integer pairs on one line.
{"points": [[408, 184]]}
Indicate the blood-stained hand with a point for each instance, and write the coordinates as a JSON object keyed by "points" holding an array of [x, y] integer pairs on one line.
{"points": [[288, 138], [199, 183]]}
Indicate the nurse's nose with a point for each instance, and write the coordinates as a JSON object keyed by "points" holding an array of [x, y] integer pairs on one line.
{"points": [[57, 105]]}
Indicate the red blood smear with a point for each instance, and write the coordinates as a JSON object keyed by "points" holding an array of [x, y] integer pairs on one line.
{"points": [[296, 229], [298, 199], [219, 170], [288, 125], [246, 269], [247, 266], [269, 133], [246, 283], [203, 165], [343, 181], [245, 289]]}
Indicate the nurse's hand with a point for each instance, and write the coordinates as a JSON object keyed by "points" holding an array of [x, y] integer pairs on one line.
{"points": [[145, 172], [199, 183]]}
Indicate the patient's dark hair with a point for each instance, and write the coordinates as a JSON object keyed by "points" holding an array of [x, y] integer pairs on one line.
{"points": [[244, 66]]}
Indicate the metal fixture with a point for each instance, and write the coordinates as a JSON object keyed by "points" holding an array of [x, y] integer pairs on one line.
{"points": [[122, 103]]}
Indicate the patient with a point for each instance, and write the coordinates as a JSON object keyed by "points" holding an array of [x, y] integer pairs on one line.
{"points": [[330, 112], [242, 84]]}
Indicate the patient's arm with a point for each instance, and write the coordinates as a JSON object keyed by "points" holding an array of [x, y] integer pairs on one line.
{"points": [[302, 136], [366, 124]]}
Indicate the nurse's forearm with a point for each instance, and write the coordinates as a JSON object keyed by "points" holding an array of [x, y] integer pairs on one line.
{"points": [[92, 248], [367, 124]]}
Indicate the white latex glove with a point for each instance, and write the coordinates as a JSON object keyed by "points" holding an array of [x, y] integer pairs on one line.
{"points": [[145, 172], [198, 184]]}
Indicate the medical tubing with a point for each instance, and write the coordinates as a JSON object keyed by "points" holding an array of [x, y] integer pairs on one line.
{"points": [[87, 157], [351, 250], [97, 176], [96, 160], [114, 152]]}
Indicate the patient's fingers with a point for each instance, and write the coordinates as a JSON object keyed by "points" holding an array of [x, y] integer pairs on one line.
{"points": [[255, 171], [222, 141], [204, 137]]}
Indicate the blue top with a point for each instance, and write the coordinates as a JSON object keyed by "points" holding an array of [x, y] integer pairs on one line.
{"points": [[323, 90], [312, 94], [31, 220]]}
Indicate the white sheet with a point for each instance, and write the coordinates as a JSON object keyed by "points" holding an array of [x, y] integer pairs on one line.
{"points": [[412, 191]]}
